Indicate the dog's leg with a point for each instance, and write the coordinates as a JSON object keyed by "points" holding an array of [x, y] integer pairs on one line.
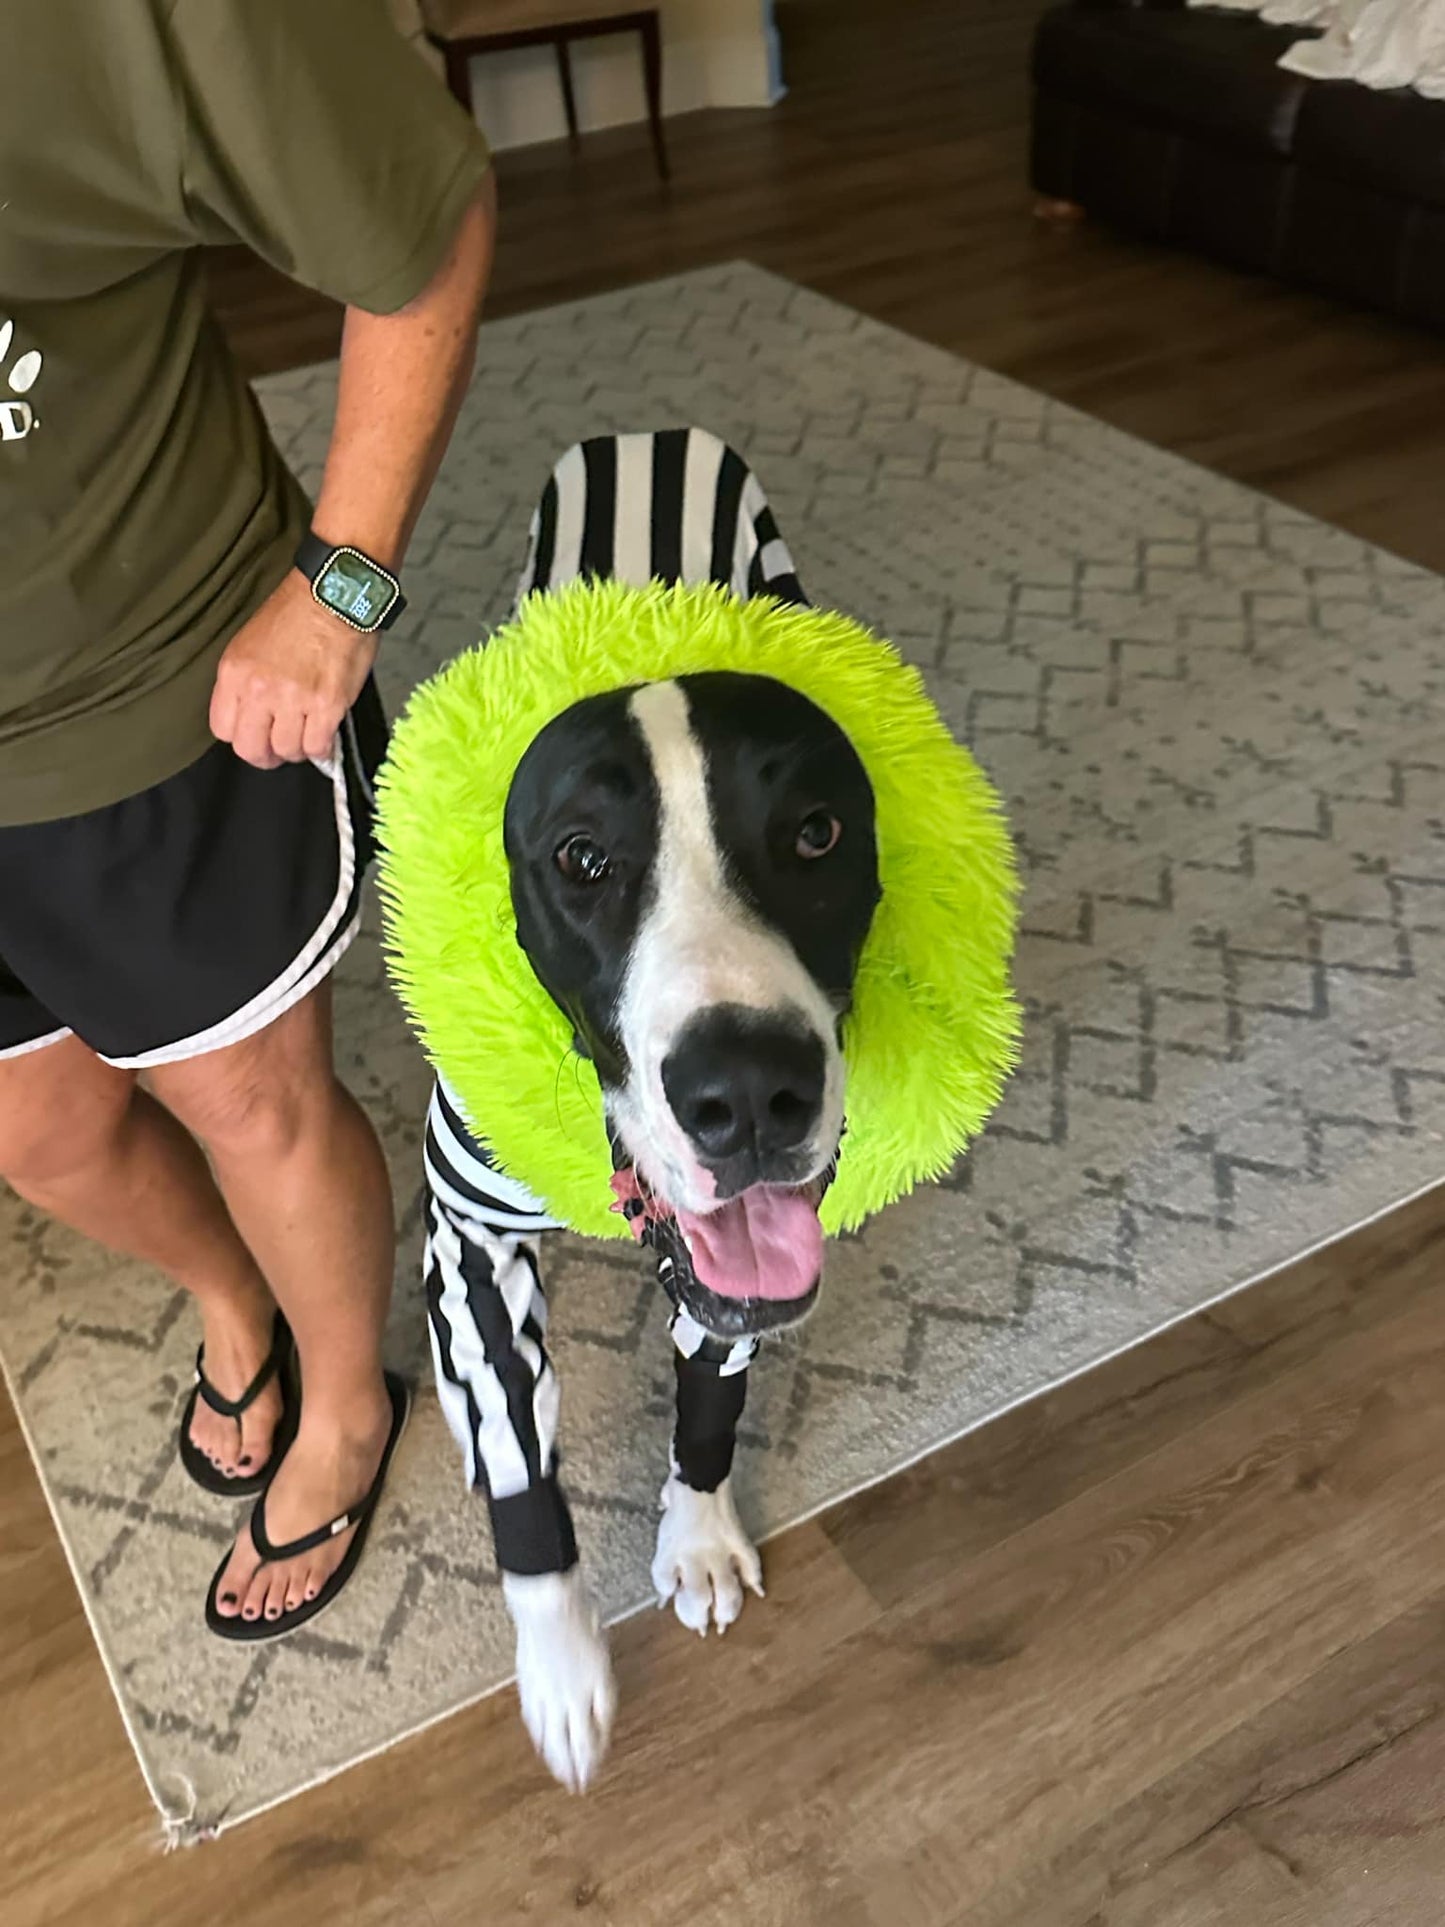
{"points": [[704, 1558], [488, 1320]]}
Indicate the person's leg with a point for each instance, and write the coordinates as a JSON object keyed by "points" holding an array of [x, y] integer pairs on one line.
{"points": [[80, 1141], [304, 1177]]}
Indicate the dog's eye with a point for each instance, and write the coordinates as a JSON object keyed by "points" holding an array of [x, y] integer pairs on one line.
{"points": [[818, 833], [582, 861]]}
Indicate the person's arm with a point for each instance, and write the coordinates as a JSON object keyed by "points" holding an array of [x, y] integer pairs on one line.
{"points": [[290, 674]]}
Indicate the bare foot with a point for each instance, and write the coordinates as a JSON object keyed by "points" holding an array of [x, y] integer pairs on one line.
{"points": [[237, 1338], [324, 1473]]}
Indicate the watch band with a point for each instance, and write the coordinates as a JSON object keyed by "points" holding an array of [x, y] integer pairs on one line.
{"points": [[312, 556]]}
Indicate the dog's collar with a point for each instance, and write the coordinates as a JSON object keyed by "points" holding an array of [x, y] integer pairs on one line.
{"points": [[933, 1030]]}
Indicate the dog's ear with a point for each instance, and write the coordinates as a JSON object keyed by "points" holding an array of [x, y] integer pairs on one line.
{"points": [[579, 1044]]}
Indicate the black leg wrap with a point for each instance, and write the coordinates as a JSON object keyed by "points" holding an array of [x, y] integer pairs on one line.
{"points": [[709, 1406], [533, 1530]]}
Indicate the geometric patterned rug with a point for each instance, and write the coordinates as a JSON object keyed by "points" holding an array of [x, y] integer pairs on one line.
{"points": [[1219, 728]]}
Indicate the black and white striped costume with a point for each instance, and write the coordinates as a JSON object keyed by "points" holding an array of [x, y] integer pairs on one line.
{"points": [[679, 506]]}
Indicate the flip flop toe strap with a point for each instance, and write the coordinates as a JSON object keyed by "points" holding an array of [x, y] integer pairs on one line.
{"points": [[238, 1407], [272, 1554]]}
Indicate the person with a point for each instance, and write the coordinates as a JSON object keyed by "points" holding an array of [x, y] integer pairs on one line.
{"points": [[188, 723]]}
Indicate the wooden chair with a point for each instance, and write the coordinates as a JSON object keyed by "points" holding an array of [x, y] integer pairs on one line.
{"points": [[461, 28]]}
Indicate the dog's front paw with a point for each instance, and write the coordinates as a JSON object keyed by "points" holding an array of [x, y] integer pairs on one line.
{"points": [[564, 1676], [704, 1558]]}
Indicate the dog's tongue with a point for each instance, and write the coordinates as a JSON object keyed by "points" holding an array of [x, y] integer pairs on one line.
{"points": [[764, 1243]]}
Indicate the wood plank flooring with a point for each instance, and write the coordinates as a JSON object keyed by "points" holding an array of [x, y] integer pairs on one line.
{"points": [[1164, 1649]]}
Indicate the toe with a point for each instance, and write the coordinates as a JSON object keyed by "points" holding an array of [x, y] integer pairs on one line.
{"points": [[665, 1580], [254, 1603], [582, 1750], [218, 1437], [325, 1561], [547, 1725], [564, 1767], [234, 1585], [750, 1569], [592, 1729], [557, 1752], [727, 1597], [229, 1595], [692, 1602], [258, 1428], [204, 1433], [532, 1717], [581, 1744], [276, 1593]]}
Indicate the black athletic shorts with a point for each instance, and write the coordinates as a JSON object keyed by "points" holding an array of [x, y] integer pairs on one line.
{"points": [[191, 916]]}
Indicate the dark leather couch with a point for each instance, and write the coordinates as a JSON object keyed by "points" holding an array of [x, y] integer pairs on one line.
{"points": [[1177, 124]]}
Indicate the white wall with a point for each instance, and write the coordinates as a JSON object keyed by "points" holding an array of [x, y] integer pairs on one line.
{"points": [[715, 53]]}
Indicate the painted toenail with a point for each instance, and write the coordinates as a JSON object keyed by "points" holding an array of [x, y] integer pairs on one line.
{"points": [[228, 1599], [244, 1460]]}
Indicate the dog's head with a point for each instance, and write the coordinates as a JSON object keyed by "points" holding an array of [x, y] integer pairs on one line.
{"points": [[694, 870]]}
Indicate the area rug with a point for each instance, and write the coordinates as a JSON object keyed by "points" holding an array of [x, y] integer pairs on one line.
{"points": [[1218, 727]]}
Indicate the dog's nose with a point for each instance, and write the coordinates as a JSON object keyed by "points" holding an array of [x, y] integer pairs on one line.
{"points": [[739, 1081]]}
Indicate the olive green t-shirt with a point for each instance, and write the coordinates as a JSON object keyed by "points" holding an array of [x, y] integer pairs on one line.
{"points": [[144, 513]]}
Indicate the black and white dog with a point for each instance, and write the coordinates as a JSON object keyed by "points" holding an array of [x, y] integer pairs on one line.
{"points": [[693, 873]]}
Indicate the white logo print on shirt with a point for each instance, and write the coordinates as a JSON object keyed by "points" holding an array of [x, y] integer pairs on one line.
{"points": [[17, 418]]}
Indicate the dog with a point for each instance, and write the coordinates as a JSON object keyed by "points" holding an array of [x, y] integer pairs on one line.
{"points": [[694, 872]]}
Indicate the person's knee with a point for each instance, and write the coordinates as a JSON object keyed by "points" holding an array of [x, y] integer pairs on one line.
{"points": [[256, 1100], [59, 1117]]}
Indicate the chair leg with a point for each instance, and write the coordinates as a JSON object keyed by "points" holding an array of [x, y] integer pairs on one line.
{"points": [[652, 81], [459, 72], [564, 74]]}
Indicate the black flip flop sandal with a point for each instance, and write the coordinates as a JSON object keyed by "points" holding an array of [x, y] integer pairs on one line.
{"points": [[360, 1515], [281, 1359]]}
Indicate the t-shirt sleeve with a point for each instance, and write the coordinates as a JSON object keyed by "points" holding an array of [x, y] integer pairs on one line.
{"points": [[313, 133]]}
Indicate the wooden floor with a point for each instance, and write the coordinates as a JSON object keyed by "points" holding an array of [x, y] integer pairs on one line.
{"points": [[1165, 1649]]}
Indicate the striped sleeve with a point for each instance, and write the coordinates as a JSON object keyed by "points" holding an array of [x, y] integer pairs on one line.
{"points": [[487, 1318], [462, 1177]]}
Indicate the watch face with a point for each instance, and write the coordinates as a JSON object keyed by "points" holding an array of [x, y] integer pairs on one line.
{"points": [[351, 586]]}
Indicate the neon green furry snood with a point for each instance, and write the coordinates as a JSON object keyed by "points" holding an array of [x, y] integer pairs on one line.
{"points": [[934, 1027]]}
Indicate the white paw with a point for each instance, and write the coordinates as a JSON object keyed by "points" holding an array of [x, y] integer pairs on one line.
{"points": [[704, 1558], [564, 1676]]}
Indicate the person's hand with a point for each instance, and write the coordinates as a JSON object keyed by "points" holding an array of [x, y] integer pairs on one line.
{"points": [[287, 679]]}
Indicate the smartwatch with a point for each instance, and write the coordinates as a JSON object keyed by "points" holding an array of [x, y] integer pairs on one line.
{"points": [[348, 583]]}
